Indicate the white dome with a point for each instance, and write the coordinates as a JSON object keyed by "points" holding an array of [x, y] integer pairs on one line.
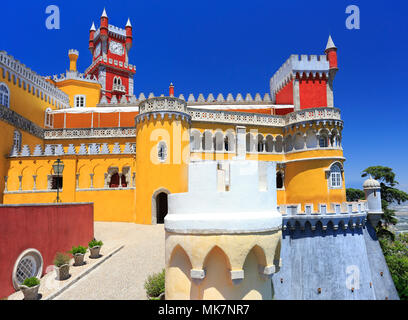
{"points": [[371, 183]]}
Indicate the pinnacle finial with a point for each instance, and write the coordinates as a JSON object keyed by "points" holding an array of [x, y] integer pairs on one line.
{"points": [[104, 15], [128, 24], [93, 27], [330, 44]]}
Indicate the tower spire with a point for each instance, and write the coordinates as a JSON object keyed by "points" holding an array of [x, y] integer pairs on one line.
{"points": [[330, 44], [93, 27], [128, 24], [104, 15]]}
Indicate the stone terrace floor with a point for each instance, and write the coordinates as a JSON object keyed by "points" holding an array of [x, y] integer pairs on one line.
{"points": [[122, 276]]}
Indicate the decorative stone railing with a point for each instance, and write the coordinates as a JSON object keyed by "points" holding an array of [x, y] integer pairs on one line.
{"points": [[112, 62], [347, 214], [58, 150], [118, 88], [162, 104], [324, 114], [127, 132], [203, 115], [20, 70]]}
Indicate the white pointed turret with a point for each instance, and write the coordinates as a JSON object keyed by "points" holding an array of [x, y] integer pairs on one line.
{"points": [[93, 27], [128, 24], [330, 44], [104, 15]]}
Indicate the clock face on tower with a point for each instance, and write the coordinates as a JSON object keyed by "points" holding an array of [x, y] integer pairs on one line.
{"points": [[97, 50], [116, 48]]}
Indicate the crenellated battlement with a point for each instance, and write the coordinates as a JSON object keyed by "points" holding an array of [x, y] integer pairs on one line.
{"points": [[311, 65], [73, 75], [21, 72], [212, 203]]}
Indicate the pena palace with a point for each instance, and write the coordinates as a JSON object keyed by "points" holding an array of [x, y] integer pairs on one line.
{"points": [[126, 152]]}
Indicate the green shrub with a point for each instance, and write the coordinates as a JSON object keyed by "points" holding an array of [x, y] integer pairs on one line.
{"points": [[31, 282], [396, 255], [61, 259], [94, 243], [154, 284], [79, 249]]}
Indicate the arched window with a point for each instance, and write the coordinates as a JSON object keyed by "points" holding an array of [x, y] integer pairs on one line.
{"points": [[4, 95], [335, 176], [162, 151], [288, 143], [250, 143], [114, 181], [311, 140], [195, 140], [207, 141], [49, 118], [299, 141], [229, 142], [323, 139], [259, 143], [17, 140], [269, 143], [279, 144], [219, 141]]}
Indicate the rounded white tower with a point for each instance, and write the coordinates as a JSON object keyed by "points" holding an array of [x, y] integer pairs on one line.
{"points": [[223, 236], [372, 189]]}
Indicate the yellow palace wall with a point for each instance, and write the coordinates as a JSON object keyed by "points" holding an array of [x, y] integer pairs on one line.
{"points": [[110, 204], [74, 87], [26, 104]]}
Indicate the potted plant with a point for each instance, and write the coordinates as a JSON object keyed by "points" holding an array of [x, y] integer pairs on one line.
{"points": [[61, 267], [95, 247], [30, 288], [79, 254], [154, 286]]}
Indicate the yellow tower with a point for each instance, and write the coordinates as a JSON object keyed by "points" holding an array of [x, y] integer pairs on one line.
{"points": [[73, 57], [162, 155]]}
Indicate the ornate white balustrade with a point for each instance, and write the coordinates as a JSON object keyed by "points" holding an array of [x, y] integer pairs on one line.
{"points": [[324, 114], [90, 133], [158, 104]]}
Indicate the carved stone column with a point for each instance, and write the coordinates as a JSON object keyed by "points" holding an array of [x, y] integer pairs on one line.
{"points": [[34, 182], [5, 183], [92, 176]]}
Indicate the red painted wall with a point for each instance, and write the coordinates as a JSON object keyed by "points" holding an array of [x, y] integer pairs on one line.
{"points": [[47, 228], [285, 95], [281, 112], [312, 93]]}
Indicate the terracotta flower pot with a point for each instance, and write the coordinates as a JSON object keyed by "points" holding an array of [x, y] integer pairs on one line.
{"points": [[79, 259], [95, 252], [62, 272], [30, 293]]}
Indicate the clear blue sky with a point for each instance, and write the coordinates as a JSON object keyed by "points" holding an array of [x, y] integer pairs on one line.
{"points": [[236, 46]]}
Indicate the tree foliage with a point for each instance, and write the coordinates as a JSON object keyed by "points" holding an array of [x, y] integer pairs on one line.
{"points": [[354, 194], [396, 256]]}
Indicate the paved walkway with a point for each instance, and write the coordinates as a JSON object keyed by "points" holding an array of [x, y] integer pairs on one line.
{"points": [[122, 276]]}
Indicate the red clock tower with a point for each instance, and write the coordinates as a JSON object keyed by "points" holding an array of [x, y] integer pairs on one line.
{"points": [[110, 47]]}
